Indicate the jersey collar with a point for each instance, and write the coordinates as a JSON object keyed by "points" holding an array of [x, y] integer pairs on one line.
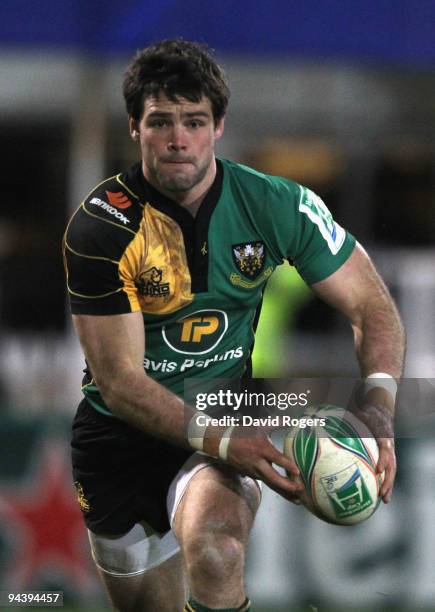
{"points": [[194, 229]]}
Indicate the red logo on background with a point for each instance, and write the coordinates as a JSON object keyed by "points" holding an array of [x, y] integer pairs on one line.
{"points": [[118, 199]]}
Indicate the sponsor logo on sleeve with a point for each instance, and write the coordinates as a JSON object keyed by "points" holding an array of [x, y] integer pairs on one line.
{"points": [[111, 210], [316, 210], [118, 199]]}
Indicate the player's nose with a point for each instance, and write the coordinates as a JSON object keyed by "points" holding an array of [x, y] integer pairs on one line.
{"points": [[177, 140]]}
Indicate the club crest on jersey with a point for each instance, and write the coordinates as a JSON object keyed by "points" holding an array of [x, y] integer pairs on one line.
{"points": [[150, 283], [249, 258]]}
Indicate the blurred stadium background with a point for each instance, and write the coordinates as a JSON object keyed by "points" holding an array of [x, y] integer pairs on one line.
{"points": [[337, 95]]}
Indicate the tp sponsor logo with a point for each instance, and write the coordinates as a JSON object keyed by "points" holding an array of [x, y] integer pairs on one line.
{"points": [[197, 333]]}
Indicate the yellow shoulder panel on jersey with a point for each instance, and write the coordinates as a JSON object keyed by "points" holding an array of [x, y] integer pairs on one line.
{"points": [[156, 259]]}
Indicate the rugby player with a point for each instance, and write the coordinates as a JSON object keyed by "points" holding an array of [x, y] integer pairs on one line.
{"points": [[166, 264]]}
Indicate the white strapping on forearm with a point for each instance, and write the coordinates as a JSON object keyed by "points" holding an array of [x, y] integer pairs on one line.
{"points": [[224, 443], [382, 380], [196, 433]]}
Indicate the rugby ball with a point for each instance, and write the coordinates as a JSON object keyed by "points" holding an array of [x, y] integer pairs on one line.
{"points": [[337, 456]]}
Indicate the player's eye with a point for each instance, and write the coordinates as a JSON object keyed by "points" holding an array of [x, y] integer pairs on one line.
{"points": [[195, 123], [158, 123]]}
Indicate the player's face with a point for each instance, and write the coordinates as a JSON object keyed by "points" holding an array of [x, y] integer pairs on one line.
{"points": [[177, 143]]}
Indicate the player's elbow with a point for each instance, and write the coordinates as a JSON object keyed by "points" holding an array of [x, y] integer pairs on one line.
{"points": [[120, 386], [107, 386]]}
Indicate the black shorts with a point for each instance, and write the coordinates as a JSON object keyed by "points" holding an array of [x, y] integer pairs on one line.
{"points": [[121, 474]]}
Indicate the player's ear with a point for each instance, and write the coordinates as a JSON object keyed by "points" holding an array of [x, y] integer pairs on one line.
{"points": [[133, 124], [219, 128]]}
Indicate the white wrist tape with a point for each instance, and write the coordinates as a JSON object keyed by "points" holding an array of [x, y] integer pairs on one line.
{"points": [[382, 380], [196, 433], [224, 443]]}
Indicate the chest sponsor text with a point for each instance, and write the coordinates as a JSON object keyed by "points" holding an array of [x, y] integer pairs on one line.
{"points": [[166, 366]]}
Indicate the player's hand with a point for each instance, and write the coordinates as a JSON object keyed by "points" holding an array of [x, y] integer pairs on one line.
{"points": [[252, 453], [380, 423]]}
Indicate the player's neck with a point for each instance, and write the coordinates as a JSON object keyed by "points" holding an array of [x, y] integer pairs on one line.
{"points": [[190, 200]]}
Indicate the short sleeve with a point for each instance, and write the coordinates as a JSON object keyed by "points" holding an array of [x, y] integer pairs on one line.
{"points": [[321, 245], [98, 280]]}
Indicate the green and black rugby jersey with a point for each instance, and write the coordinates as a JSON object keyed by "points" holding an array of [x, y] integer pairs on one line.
{"points": [[197, 281]]}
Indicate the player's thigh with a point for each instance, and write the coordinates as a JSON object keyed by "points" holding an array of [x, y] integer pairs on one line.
{"points": [[162, 588], [218, 500]]}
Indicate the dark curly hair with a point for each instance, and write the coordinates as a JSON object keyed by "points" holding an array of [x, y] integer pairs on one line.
{"points": [[178, 68]]}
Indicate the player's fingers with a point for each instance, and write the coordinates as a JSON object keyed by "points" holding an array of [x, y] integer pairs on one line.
{"points": [[280, 484], [387, 485], [386, 491], [285, 494], [386, 453], [296, 498], [386, 464], [274, 456]]}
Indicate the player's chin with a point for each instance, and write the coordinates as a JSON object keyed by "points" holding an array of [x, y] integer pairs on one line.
{"points": [[178, 182]]}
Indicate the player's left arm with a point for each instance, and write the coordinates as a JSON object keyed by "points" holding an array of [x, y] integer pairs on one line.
{"points": [[357, 291]]}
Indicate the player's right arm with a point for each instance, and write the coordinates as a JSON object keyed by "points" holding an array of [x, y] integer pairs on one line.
{"points": [[114, 347]]}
